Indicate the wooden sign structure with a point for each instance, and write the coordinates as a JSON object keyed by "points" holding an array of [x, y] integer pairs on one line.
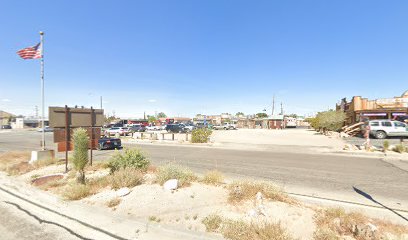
{"points": [[64, 120]]}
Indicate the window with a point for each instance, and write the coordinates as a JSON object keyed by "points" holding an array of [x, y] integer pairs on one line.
{"points": [[386, 124], [399, 124], [375, 124]]}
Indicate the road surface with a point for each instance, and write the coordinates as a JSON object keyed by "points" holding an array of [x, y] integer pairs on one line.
{"points": [[333, 176]]}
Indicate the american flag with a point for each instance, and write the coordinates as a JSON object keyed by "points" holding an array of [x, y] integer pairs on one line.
{"points": [[33, 52]]}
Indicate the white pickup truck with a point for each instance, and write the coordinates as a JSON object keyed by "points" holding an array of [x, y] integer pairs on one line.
{"points": [[225, 126]]}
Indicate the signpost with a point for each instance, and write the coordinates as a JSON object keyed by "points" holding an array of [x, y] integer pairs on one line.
{"points": [[64, 120]]}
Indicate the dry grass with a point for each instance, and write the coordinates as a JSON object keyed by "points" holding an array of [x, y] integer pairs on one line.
{"points": [[44, 163], [128, 177], [76, 191], [97, 166], [154, 219], [213, 177], [113, 202], [212, 222], [246, 190], [171, 171], [240, 230], [333, 222], [15, 163], [58, 183]]}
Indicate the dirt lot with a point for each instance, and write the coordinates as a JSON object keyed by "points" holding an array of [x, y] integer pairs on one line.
{"points": [[299, 137]]}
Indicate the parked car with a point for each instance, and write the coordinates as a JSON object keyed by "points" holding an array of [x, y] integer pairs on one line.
{"points": [[123, 131], [109, 143], [46, 129], [137, 128], [225, 126], [176, 128], [5, 127], [189, 127], [383, 128]]}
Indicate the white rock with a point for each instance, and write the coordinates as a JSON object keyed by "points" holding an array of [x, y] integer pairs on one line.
{"points": [[171, 184], [123, 192]]}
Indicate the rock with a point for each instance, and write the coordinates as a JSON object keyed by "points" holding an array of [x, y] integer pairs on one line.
{"points": [[365, 231], [122, 192], [171, 184], [149, 178], [346, 147]]}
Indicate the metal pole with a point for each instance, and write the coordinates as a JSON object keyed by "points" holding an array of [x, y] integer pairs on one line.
{"points": [[101, 102], [42, 91]]}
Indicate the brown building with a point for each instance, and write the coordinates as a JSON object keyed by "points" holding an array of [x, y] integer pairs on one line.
{"points": [[359, 109]]}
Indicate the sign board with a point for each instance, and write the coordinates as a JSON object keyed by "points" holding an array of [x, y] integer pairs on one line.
{"points": [[59, 133], [392, 102], [62, 145], [77, 117]]}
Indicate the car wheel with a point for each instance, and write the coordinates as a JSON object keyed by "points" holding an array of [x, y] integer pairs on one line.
{"points": [[380, 135]]}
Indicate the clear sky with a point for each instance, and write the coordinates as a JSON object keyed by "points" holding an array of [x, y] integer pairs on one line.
{"points": [[185, 57]]}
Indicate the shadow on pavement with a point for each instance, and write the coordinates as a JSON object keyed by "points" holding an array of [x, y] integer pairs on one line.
{"points": [[369, 197]]}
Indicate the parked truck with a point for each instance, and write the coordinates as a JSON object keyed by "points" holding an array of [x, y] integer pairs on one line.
{"points": [[225, 126]]}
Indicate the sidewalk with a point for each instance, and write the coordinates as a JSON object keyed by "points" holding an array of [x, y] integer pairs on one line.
{"points": [[88, 221]]}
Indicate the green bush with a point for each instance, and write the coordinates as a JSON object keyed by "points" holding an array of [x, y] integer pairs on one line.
{"points": [[80, 157], [170, 171], [328, 121], [130, 158], [200, 135]]}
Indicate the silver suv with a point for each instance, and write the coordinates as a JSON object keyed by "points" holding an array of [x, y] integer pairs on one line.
{"points": [[384, 128]]}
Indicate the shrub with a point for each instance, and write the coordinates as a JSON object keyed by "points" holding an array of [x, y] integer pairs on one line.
{"points": [[200, 135], [213, 177], [44, 162], [240, 230], [128, 177], [325, 234], [400, 148], [245, 190], [212, 222], [80, 156], [386, 145], [77, 191], [328, 121], [113, 202], [130, 158], [170, 171]]}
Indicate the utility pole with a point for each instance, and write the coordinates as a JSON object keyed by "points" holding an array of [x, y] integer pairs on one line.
{"points": [[281, 108], [101, 103], [273, 104], [36, 112]]}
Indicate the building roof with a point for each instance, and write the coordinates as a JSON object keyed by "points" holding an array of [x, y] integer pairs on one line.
{"points": [[405, 94]]}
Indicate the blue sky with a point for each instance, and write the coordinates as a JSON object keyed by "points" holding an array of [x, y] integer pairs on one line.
{"points": [[187, 57]]}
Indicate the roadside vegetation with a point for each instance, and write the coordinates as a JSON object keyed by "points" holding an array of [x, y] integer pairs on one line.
{"points": [[333, 223], [328, 121], [241, 191], [80, 156], [130, 158], [200, 135], [173, 171], [17, 163], [241, 230], [213, 177]]}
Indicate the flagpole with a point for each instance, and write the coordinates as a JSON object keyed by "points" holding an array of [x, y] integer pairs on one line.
{"points": [[42, 91]]}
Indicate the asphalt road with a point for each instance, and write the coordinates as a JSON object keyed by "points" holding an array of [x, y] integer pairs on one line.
{"points": [[332, 176]]}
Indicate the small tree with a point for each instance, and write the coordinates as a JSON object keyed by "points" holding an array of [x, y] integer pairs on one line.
{"points": [[239, 114], [80, 157], [261, 115], [161, 115], [151, 119]]}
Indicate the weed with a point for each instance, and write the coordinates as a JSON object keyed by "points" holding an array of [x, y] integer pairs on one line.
{"points": [[113, 202], [400, 148], [15, 162], [170, 171], [212, 222], [240, 230], [44, 162], [245, 190], [186, 217], [325, 234], [213, 177], [130, 158], [76, 191], [386, 145], [128, 177], [154, 219], [195, 217]]}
